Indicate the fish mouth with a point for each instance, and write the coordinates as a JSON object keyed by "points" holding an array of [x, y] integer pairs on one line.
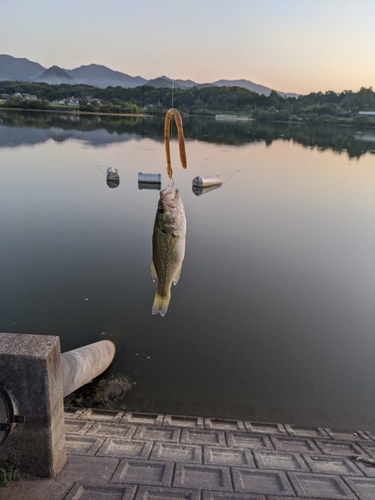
{"points": [[169, 197]]}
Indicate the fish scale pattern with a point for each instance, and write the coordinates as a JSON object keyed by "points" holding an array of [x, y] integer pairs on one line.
{"points": [[137, 456]]}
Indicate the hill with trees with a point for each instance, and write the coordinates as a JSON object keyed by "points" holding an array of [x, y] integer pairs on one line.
{"points": [[316, 107]]}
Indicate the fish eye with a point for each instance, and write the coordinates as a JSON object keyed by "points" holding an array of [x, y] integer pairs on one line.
{"points": [[161, 209]]}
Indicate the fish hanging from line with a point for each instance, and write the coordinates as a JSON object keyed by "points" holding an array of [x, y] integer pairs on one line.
{"points": [[168, 246]]}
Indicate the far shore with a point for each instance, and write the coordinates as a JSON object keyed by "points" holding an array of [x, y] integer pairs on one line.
{"points": [[143, 115], [74, 112]]}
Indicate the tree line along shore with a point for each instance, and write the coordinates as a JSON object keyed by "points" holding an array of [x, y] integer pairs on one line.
{"points": [[330, 107]]}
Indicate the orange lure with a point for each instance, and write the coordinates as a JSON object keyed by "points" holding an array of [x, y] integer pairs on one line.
{"points": [[181, 140]]}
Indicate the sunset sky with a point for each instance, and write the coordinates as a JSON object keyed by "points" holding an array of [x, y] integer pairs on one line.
{"points": [[297, 46]]}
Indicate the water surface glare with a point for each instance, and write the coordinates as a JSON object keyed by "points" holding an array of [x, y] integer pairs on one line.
{"points": [[273, 316]]}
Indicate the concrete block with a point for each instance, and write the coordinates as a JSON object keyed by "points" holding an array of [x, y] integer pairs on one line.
{"points": [[308, 432], [30, 369], [101, 415], [323, 464], [347, 435], [203, 477], [109, 429], [213, 455], [177, 453], [339, 448], [320, 486], [216, 495], [254, 441], [100, 492], [166, 434], [261, 481], [180, 421], [82, 445], [88, 469], [224, 424], [77, 427], [264, 427], [371, 435], [144, 472], [153, 493], [123, 448], [368, 447], [143, 418], [280, 460], [72, 413], [363, 487], [366, 469], [272, 497], [197, 436], [294, 444]]}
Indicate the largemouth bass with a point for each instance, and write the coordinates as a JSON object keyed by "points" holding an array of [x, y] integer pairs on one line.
{"points": [[168, 246]]}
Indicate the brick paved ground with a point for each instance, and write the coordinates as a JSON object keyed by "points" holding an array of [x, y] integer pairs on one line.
{"points": [[130, 456]]}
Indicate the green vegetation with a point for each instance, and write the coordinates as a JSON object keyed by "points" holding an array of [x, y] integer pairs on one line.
{"points": [[8, 473], [17, 102], [317, 107], [115, 106]]}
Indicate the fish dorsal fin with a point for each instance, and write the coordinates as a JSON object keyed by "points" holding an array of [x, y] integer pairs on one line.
{"points": [[154, 274]]}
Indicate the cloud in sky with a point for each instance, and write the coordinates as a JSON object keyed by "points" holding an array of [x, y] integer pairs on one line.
{"points": [[289, 45]]}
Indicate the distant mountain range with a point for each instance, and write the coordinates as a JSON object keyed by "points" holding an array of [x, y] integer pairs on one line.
{"points": [[21, 69]]}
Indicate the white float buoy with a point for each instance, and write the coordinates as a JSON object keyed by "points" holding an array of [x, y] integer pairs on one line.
{"points": [[205, 184], [149, 181], [207, 181], [113, 179]]}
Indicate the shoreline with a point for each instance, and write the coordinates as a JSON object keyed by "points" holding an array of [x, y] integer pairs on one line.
{"points": [[144, 115], [74, 112]]}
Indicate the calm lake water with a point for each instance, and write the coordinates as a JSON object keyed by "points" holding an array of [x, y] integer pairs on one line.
{"points": [[273, 316]]}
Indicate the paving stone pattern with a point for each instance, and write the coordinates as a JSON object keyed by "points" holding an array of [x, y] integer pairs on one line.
{"points": [[137, 456]]}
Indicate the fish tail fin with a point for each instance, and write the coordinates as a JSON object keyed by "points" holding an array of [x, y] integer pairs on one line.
{"points": [[161, 304]]}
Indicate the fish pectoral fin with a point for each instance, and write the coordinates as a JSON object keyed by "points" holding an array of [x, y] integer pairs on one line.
{"points": [[154, 274], [161, 304], [177, 276]]}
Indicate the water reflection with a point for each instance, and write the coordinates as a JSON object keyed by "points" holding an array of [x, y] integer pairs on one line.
{"points": [[102, 130], [199, 190], [168, 246], [276, 297]]}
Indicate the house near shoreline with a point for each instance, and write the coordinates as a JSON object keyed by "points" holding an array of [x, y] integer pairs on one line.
{"points": [[24, 97], [72, 101], [29, 97]]}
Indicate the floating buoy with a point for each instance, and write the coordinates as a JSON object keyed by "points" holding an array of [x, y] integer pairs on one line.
{"points": [[205, 184], [113, 179], [207, 181], [149, 181]]}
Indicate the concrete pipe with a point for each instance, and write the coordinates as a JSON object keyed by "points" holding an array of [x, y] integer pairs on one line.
{"points": [[80, 366]]}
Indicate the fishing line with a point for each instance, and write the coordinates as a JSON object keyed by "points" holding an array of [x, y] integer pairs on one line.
{"points": [[233, 172], [170, 125], [99, 167]]}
